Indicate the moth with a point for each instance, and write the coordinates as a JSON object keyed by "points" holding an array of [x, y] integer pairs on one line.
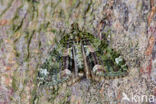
{"points": [[78, 55]]}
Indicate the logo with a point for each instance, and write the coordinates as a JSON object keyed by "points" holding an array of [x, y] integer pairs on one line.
{"points": [[125, 97], [138, 98]]}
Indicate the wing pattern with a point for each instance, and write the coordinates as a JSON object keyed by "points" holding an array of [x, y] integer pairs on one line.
{"points": [[81, 55]]}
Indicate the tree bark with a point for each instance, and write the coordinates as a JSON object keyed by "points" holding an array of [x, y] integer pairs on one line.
{"points": [[28, 29]]}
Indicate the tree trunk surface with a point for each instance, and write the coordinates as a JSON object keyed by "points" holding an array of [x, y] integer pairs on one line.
{"points": [[27, 32]]}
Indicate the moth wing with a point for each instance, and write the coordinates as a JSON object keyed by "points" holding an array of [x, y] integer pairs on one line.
{"points": [[113, 63], [50, 72]]}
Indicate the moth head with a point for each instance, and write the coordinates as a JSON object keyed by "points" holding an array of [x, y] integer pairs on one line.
{"points": [[75, 27]]}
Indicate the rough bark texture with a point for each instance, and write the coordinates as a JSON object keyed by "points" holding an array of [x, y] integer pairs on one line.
{"points": [[27, 32]]}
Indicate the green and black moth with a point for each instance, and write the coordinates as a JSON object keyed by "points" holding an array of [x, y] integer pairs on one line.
{"points": [[79, 55]]}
